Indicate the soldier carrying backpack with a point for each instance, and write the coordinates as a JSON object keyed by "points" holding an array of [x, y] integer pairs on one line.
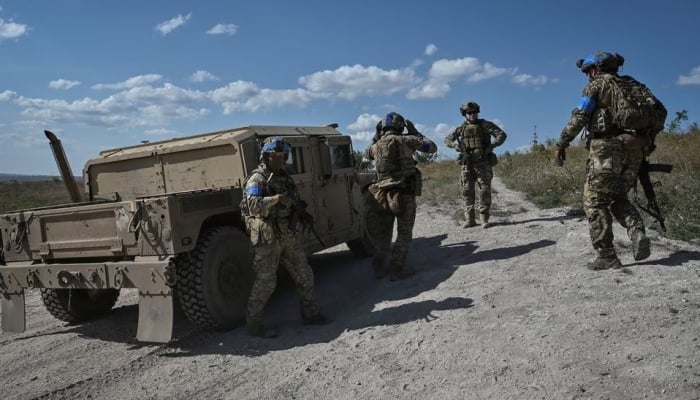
{"points": [[622, 118]]}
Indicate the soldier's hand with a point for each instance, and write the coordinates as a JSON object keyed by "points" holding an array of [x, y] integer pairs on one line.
{"points": [[412, 128], [560, 155], [280, 199]]}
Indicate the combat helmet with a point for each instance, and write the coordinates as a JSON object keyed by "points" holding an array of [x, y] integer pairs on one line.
{"points": [[275, 144], [469, 106], [607, 62], [393, 121]]}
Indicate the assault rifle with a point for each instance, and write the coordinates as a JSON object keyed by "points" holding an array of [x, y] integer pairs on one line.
{"points": [[302, 217], [652, 207], [299, 214]]}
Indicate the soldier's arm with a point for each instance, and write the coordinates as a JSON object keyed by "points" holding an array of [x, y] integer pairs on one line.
{"points": [[450, 139], [580, 116], [419, 143], [258, 204], [496, 132]]}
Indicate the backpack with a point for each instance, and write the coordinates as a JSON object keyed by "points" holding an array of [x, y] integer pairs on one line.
{"points": [[634, 107]]}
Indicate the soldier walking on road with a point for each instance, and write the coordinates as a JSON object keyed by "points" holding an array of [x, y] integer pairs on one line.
{"points": [[394, 194], [473, 142], [615, 153], [271, 199]]}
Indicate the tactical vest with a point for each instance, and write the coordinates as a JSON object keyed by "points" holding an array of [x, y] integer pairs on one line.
{"points": [[394, 158], [472, 136], [275, 183]]}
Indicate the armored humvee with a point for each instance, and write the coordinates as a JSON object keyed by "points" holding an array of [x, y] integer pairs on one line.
{"points": [[164, 218]]}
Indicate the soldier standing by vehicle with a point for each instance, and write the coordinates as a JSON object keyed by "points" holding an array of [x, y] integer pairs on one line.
{"points": [[473, 142], [615, 153], [271, 199], [394, 194]]}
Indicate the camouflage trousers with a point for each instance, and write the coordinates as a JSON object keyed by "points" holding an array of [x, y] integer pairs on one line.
{"points": [[611, 171], [288, 252], [479, 173], [381, 229]]}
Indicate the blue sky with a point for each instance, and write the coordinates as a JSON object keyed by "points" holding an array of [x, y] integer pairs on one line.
{"points": [[104, 74]]}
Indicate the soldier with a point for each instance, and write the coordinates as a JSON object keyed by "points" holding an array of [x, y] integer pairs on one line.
{"points": [[473, 142], [614, 157], [271, 199], [398, 184]]}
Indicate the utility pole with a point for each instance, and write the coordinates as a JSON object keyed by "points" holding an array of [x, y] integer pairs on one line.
{"points": [[534, 137]]}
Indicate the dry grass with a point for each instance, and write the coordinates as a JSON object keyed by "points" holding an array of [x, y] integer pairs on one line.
{"points": [[535, 175], [19, 195]]}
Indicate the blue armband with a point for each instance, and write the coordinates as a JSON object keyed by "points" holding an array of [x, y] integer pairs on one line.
{"points": [[254, 190], [587, 104]]}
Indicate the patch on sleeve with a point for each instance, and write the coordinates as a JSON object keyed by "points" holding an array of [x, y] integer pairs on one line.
{"points": [[587, 104], [254, 189]]}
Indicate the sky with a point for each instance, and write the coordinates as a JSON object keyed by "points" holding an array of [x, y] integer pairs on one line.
{"points": [[108, 74]]}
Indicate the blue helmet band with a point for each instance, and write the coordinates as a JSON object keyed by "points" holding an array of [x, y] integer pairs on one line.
{"points": [[276, 145]]}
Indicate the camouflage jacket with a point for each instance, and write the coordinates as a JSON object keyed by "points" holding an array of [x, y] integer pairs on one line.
{"points": [[263, 183], [455, 140], [393, 154], [591, 112]]}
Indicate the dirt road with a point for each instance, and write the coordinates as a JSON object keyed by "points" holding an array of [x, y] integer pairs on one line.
{"points": [[508, 312]]}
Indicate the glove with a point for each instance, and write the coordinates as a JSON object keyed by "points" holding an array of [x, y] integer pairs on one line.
{"points": [[412, 128], [284, 200], [560, 155]]}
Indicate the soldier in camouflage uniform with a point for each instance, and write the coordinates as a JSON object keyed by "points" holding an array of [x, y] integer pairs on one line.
{"points": [[614, 158], [271, 199], [400, 179], [473, 142]]}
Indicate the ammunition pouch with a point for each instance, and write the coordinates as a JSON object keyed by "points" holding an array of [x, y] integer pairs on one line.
{"points": [[476, 156], [389, 193]]}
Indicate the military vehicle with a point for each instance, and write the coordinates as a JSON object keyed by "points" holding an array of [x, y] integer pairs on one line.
{"points": [[164, 218]]}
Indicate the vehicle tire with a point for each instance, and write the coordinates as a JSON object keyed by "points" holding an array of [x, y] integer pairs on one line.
{"points": [[77, 305], [214, 280], [362, 246]]}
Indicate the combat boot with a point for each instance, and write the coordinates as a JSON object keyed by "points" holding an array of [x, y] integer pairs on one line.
{"points": [[640, 246], [601, 263], [257, 329], [398, 272], [315, 319], [485, 221], [378, 268], [469, 223]]}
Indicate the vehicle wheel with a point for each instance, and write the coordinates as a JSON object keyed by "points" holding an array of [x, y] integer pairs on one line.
{"points": [[362, 246], [214, 280], [77, 305]]}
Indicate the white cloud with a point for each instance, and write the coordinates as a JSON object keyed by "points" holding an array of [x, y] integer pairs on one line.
{"points": [[350, 82], [202, 76], [487, 72], [173, 23], [430, 49], [446, 71], [692, 79], [7, 95], [63, 84], [527, 79], [364, 126], [135, 81], [247, 96], [223, 29], [12, 30], [137, 106]]}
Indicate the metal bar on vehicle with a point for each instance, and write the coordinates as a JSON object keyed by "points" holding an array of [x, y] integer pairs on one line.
{"points": [[13, 312], [155, 317]]}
